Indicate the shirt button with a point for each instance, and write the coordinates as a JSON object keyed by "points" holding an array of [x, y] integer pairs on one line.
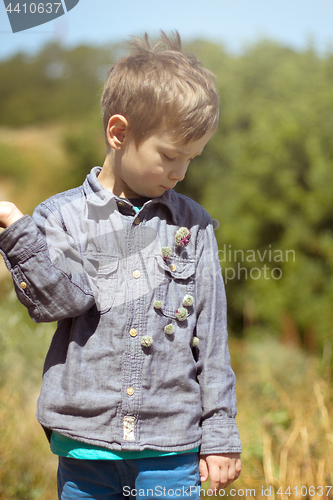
{"points": [[136, 274], [133, 332], [172, 267], [137, 221], [130, 391], [23, 285]]}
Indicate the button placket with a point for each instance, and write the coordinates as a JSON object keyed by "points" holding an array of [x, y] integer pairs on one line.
{"points": [[134, 351]]}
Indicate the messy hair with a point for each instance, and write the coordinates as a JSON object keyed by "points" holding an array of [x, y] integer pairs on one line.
{"points": [[160, 85]]}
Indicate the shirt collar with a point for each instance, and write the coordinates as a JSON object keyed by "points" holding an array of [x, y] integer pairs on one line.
{"points": [[98, 196], [167, 199]]}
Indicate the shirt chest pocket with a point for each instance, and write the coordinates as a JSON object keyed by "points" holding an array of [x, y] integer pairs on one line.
{"points": [[107, 283], [177, 283]]}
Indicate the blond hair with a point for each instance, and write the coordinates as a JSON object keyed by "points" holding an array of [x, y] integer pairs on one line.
{"points": [[161, 86]]}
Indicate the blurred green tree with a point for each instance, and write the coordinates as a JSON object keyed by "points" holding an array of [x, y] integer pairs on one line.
{"points": [[55, 85], [272, 190]]}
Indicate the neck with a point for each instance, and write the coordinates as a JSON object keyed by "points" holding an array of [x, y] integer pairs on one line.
{"points": [[110, 181], [106, 176]]}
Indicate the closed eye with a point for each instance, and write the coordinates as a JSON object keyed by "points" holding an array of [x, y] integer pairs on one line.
{"points": [[173, 159], [168, 158]]}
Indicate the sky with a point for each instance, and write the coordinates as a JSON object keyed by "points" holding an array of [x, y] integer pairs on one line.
{"points": [[235, 23]]}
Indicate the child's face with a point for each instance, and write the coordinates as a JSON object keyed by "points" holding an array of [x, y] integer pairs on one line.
{"points": [[156, 165]]}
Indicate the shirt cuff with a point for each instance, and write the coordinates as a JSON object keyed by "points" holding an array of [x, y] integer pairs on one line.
{"points": [[220, 435], [19, 241]]}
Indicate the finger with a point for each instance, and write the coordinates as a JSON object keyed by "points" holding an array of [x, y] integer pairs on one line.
{"points": [[238, 468], [234, 471], [235, 468], [214, 476], [203, 470]]}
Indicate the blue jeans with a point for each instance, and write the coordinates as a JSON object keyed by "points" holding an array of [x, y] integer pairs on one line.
{"points": [[175, 476]]}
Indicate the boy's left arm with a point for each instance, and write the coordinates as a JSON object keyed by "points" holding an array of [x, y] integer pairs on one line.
{"points": [[221, 469], [221, 447]]}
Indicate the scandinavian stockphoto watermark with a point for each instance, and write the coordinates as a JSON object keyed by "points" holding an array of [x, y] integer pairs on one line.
{"points": [[253, 264], [26, 14]]}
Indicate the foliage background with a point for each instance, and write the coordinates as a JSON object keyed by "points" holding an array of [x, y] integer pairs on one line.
{"points": [[267, 177]]}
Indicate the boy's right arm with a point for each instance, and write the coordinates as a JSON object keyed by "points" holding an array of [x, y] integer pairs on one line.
{"points": [[50, 292], [9, 213]]}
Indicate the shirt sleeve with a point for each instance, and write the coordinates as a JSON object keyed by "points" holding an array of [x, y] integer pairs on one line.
{"points": [[50, 276], [215, 376]]}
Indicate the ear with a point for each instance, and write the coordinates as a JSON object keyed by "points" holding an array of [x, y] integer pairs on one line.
{"points": [[116, 130]]}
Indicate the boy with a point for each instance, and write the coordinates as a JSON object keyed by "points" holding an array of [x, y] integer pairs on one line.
{"points": [[138, 373]]}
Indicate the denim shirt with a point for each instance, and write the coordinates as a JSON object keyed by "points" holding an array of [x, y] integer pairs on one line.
{"points": [[88, 261]]}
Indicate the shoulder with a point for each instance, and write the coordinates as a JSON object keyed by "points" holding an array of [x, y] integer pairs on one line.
{"points": [[188, 212], [57, 201], [60, 199], [59, 207]]}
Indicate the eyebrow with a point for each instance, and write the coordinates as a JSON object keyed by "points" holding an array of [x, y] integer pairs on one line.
{"points": [[182, 152]]}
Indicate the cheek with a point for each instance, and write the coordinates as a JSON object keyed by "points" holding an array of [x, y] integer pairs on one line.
{"points": [[152, 168]]}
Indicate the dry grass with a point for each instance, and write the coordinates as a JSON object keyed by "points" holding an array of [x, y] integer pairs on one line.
{"points": [[27, 468], [285, 405], [41, 164]]}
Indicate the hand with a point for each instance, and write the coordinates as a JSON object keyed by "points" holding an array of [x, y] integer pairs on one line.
{"points": [[9, 213], [221, 469]]}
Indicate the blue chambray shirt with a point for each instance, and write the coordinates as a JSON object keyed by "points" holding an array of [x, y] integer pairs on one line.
{"points": [[88, 261]]}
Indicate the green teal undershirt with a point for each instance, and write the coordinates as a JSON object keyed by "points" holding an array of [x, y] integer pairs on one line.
{"points": [[70, 448], [138, 202]]}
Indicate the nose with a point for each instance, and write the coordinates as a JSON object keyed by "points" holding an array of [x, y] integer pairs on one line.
{"points": [[178, 174]]}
